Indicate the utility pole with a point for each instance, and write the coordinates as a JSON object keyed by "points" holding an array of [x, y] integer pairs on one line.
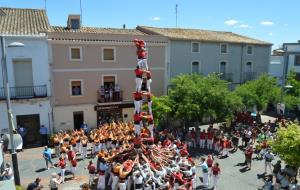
{"points": [[9, 114], [176, 12], [80, 13]]}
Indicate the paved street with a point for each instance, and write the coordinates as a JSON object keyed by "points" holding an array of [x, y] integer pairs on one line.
{"points": [[31, 165]]}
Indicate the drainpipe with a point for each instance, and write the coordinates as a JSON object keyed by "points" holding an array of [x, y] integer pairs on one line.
{"points": [[241, 71]]}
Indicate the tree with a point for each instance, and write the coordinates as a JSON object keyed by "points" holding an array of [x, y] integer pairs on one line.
{"points": [[161, 107], [259, 92], [292, 95], [287, 144], [194, 97]]}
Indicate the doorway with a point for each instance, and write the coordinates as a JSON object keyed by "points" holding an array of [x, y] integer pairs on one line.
{"points": [[32, 124], [109, 82], [78, 119]]}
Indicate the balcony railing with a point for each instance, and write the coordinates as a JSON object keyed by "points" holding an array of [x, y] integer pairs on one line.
{"points": [[249, 76], [110, 96], [226, 76], [25, 92]]}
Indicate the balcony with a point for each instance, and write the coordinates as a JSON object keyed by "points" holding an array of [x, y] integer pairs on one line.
{"points": [[110, 97], [25, 92], [226, 76], [249, 76]]}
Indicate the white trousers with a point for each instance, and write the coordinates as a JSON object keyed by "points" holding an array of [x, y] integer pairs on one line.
{"points": [[150, 107], [78, 147], [101, 182], [142, 63], [57, 151], [84, 152], [149, 81], [209, 144], [73, 170], [138, 84], [115, 181], [150, 127], [91, 178], [205, 179], [202, 143], [62, 174], [215, 179], [225, 151], [137, 129], [122, 186], [268, 165], [137, 106]]}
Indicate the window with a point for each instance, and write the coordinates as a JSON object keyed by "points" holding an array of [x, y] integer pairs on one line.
{"points": [[223, 67], [75, 54], [195, 47], [195, 67], [297, 60], [108, 54], [75, 23], [224, 48], [76, 87], [249, 50], [248, 68]]}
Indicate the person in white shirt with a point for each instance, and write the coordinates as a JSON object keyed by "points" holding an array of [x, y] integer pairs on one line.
{"points": [[7, 174], [138, 181], [54, 181]]}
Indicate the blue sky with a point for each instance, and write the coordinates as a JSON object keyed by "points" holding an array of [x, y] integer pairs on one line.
{"points": [[275, 21]]}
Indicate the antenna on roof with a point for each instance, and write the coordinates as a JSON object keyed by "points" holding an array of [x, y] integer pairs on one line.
{"points": [[80, 13], [176, 11]]}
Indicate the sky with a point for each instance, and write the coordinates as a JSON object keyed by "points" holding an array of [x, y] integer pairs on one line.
{"points": [[275, 21]]}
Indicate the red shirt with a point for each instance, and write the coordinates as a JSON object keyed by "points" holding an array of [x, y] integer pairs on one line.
{"points": [[138, 73], [209, 162], [62, 164], [166, 143], [148, 75], [210, 135], [150, 119], [215, 170], [141, 53], [137, 96], [137, 117], [91, 168], [193, 134], [71, 155], [228, 144], [202, 135], [74, 162]]}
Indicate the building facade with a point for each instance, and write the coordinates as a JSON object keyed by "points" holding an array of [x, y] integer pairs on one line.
{"points": [[92, 71], [28, 70], [237, 58]]}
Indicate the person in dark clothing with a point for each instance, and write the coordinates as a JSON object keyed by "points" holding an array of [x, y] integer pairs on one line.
{"points": [[277, 167], [35, 185]]}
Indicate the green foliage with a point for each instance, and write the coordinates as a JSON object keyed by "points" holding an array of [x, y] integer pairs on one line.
{"points": [[161, 106], [259, 92], [292, 95], [195, 96], [287, 144]]}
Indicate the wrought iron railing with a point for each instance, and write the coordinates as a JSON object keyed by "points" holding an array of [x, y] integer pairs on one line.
{"points": [[249, 76], [25, 92], [108, 96]]}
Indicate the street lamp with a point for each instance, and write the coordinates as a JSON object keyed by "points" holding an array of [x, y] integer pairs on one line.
{"points": [[8, 105]]}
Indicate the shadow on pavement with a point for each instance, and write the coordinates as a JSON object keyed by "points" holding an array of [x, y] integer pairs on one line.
{"points": [[40, 170], [244, 169]]}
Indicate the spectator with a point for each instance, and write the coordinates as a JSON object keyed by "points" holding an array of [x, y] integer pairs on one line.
{"points": [[44, 135], [7, 174], [277, 167], [84, 126], [35, 185], [47, 156], [54, 181], [23, 132], [117, 92]]}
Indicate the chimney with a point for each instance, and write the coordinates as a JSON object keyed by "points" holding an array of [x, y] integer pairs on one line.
{"points": [[74, 22], [124, 26]]}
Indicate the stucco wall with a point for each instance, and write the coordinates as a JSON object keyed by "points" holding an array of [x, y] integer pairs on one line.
{"points": [[35, 49], [27, 107], [210, 57]]}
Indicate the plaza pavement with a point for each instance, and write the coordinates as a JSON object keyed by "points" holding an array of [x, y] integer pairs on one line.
{"points": [[32, 165]]}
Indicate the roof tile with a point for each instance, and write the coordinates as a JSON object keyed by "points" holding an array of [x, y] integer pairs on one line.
{"points": [[14, 21], [201, 35]]}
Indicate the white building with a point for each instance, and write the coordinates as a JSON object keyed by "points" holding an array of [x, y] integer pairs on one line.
{"points": [[28, 70]]}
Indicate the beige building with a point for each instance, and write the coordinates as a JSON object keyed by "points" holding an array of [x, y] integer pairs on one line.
{"points": [[93, 72]]}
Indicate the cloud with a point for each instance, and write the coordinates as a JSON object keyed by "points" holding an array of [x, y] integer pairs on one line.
{"points": [[231, 22], [155, 18], [270, 33], [245, 26], [266, 23]]}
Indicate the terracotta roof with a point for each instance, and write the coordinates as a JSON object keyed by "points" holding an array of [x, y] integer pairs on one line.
{"points": [[200, 35], [15, 21], [96, 30]]}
